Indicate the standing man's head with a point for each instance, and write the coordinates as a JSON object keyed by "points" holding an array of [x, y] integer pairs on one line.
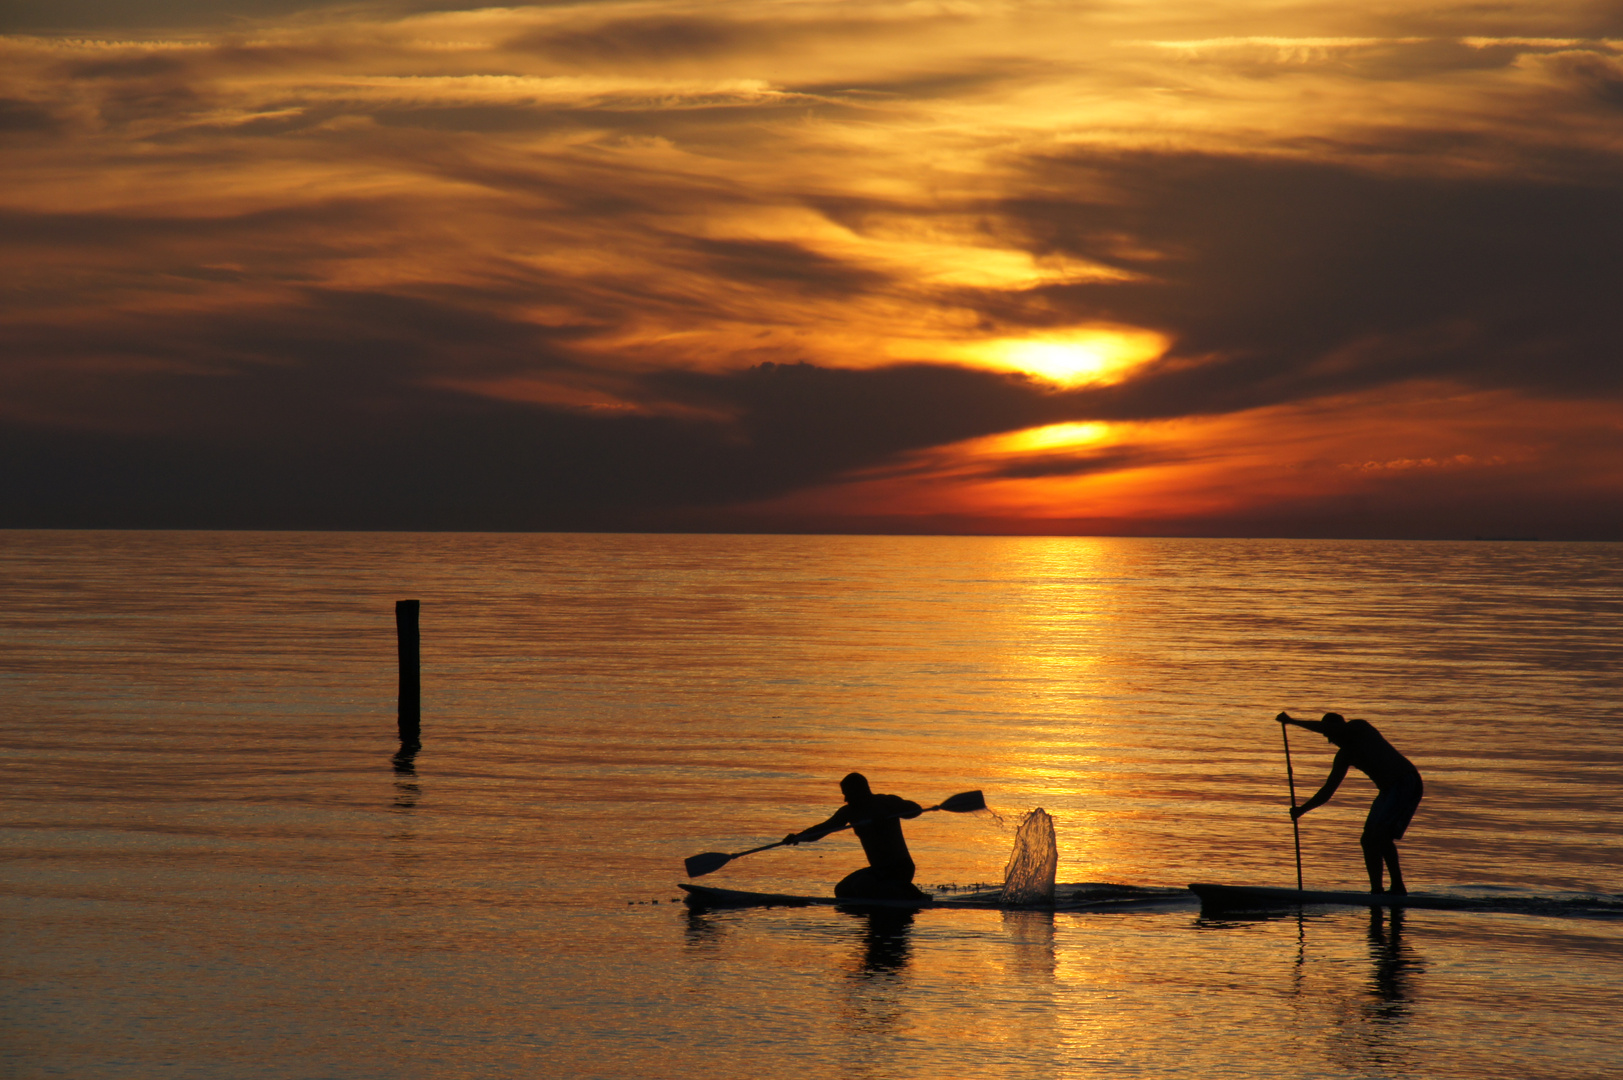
{"points": [[1331, 727], [854, 787]]}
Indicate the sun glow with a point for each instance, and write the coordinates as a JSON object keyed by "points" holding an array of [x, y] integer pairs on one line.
{"points": [[1089, 355], [1093, 355], [1051, 437]]}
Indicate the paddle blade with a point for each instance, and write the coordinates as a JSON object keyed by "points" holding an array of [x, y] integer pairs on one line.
{"points": [[963, 803], [707, 863]]}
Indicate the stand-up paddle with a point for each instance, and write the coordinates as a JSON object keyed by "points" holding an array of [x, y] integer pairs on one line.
{"points": [[1296, 825], [710, 861]]}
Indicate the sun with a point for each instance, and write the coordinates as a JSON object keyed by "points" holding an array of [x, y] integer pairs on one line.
{"points": [[1090, 355], [1094, 355]]}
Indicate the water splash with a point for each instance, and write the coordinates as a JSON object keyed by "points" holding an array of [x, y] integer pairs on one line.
{"points": [[1029, 877]]}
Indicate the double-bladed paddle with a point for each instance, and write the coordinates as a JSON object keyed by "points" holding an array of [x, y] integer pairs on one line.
{"points": [[709, 862]]}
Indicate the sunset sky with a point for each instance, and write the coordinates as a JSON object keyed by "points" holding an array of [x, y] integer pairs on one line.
{"points": [[1100, 266]]}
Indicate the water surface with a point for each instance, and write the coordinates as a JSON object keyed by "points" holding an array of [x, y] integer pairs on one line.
{"points": [[214, 867]]}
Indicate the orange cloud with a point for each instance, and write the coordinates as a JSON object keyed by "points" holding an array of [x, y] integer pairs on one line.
{"points": [[1261, 462], [1013, 262]]}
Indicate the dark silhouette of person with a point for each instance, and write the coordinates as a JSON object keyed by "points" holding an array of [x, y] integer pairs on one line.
{"points": [[1360, 746], [877, 821]]}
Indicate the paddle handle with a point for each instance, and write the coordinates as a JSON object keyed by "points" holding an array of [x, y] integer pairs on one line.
{"points": [[710, 861], [1296, 825]]}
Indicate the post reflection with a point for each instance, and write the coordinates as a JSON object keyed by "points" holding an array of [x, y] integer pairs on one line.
{"points": [[407, 790], [405, 759], [403, 886]]}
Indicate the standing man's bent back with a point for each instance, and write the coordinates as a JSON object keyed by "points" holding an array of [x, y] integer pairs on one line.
{"points": [[1360, 746]]}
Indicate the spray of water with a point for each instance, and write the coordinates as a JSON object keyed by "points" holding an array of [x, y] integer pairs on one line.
{"points": [[1029, 877]]}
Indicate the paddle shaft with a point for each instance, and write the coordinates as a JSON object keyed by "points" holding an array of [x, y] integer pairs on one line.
{"points": [[842, 828], [1296, 825], [854, 824], [711, 861]]}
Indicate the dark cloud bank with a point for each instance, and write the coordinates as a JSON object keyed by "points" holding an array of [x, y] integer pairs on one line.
{"points": [[1281, 281]]}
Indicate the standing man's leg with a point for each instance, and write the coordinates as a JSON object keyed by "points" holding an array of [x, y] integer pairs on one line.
{"points": [[1388, 818], [1392, 866], [1392, 824], [1374, 853]]}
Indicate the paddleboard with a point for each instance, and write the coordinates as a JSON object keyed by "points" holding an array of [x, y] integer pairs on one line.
{"points": [[1066, 898], [1255, 898], [709, 896]]}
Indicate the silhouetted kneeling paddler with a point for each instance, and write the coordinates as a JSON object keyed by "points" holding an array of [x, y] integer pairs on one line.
{"points": [[877, 821]]}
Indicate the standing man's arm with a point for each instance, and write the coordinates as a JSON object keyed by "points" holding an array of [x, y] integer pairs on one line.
{"points": [[1338, 773]]}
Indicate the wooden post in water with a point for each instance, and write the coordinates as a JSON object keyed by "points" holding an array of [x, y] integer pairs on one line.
{"points": [[411, 695]]}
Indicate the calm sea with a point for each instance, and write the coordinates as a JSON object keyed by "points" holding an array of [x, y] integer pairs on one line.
{"points": [[213, 867]]}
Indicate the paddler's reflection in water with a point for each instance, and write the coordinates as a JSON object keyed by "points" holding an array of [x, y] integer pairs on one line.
{"points": [[874, 1002], [1366, 1030], [1395, 965], [877, 821], [887, 941]]}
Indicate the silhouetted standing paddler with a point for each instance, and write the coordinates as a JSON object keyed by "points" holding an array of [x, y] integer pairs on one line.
{"points": [[1360, 746], [877, 821]]}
